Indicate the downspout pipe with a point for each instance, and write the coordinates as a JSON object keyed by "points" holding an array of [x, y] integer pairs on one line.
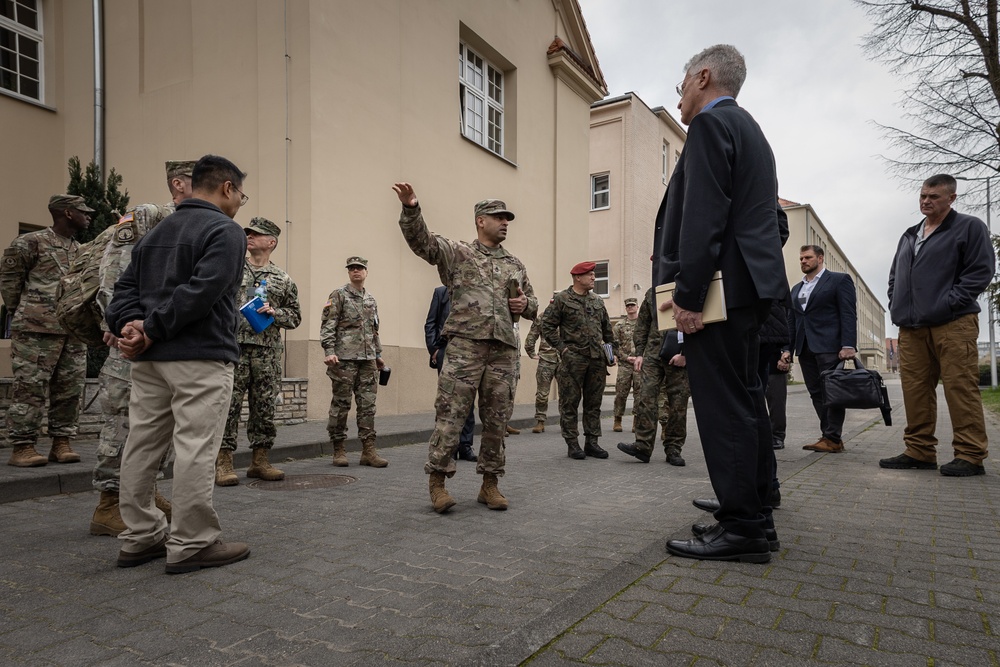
{"points": [[99, 87]]}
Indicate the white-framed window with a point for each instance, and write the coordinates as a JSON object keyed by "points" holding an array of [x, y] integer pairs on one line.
{"points": [[665, 160], [481, 93], [21, 48], [600, 192], [602, 284]]}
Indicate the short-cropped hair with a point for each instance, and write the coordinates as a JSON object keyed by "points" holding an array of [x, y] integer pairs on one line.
{"points": [[817, 250], [946, 181], [211, 171], [726, 63]]}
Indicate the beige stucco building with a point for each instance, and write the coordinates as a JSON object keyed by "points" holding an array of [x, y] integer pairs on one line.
{"points": [[325, 103]]}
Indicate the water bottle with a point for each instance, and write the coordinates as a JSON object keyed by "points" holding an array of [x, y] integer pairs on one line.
{"points": [[261, 291]]}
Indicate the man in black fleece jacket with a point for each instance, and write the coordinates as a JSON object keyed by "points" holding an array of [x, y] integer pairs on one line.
{"points": [[175, 312], [941, 267]]}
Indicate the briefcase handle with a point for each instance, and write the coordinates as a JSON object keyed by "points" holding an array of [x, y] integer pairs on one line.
{"points": [[856, 360]]}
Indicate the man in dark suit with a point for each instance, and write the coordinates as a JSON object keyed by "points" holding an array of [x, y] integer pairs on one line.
{"points": [[826, 329], [720, 213], [436, 344]]}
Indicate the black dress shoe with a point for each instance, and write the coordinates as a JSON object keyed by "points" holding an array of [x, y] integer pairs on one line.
{"points": [[595, 450], [720, 544], [466, 454], [574, 451], [674, 459], [904, 462], [706, 504], [770, 534], [632, 450], [778, 444]]}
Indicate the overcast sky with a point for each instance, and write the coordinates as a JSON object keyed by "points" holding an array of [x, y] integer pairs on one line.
{"points": [[809, 86]]}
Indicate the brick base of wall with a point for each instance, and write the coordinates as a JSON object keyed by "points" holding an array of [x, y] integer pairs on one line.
{"points": [[291, 408]]}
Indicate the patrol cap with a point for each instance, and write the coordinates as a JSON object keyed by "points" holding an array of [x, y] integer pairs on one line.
{"points": [[263, 226], [177, 168], [582, 268], [356, 261], [631, 302], [67, 202], [493, 207]]}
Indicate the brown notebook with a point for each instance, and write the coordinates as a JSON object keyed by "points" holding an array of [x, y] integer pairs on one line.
{"points": [[714, 309]]}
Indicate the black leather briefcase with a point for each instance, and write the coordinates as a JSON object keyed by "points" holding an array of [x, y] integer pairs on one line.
{"points": [[855, 389]]}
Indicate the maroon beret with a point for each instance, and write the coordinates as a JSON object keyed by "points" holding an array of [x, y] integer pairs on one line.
{"points": [[582, 268]]}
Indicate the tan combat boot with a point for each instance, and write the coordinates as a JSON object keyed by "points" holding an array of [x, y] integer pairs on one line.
{"points": [[107, 518], [370, 457], [61, 451], [224, 473], [539, 427], [617, 428], [261, 468], [163, 505], [440, 497], [490, 495], [513, 431], [340, 455], [25, 456]]}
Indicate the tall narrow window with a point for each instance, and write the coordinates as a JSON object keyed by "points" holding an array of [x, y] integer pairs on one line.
{"points": [[21, 48], [481, 88], [600, 192], [664, 158], [602, 286]]}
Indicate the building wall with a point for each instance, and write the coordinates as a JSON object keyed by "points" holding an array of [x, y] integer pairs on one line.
{"points": [[325, 104]]}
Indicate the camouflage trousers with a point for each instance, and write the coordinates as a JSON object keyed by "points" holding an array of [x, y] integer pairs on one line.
{"points": [[580, 377], [360, 379], [45, 365], [664, 393], [544, 376], [470, 366], [627, 380], [114, 393], [259, 376]]}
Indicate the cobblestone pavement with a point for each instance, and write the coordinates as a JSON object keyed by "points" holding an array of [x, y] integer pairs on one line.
{"points": [[876, 567]]}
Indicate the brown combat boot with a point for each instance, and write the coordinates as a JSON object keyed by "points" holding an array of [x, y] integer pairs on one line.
{"points": [[25, 456], [163, 505], [539, 427], [340, 455], [370, 457], [490, 495], [107, 518], [440, 497], [617, 428], [61, 451], [261, 468], [224, 473], [513, 431]]}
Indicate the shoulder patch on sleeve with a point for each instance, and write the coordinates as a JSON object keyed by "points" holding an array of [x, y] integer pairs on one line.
{"points": [[128, 217], [125, 232]]}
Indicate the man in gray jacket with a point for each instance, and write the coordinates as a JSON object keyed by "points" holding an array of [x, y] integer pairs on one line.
{"points": [[941, 267]]}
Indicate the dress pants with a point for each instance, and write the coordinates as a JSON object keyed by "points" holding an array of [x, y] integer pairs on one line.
{"points": [[948, 352], [729, 407], [831, 421], [183, 404]]}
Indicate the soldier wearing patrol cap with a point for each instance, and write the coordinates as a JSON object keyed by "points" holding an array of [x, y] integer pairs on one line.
{"points": [[349, 335], [259, 371], [44, 358], [116, 373], [628, 378]]}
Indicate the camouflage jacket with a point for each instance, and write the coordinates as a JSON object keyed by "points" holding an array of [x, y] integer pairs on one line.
{"points": [[29, 279], [578, 323], [545, 351], [647, 334], [623, 331], [350, 325], [477, 277], [282, 295]]}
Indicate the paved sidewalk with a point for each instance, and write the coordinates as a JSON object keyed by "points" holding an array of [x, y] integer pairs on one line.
{"points": [[877, 567]]}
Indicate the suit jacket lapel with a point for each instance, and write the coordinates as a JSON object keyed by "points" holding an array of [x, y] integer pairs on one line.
{"points": [[822, 284]]}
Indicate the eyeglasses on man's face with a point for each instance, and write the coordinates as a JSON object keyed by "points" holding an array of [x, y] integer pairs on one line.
{"points": [[243, 198]]}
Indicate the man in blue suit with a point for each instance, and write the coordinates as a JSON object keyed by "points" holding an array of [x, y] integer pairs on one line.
{"points": [[826, 332], [437, 315]]}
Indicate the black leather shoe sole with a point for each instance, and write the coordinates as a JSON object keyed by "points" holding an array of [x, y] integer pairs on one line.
{"points": [[632, 450], [706, 504], [722, 547], [770, 534]]}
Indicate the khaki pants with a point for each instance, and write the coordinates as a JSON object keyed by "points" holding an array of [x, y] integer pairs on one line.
{"points": [[948, 352], [184, 404]]}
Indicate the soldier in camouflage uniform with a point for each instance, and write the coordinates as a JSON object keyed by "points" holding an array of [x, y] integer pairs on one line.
{"points": [[44, 358], [628, 377], [116, 373], [660, 381], [482, 353], [350, 340], [576, 325], [259, 371], [548, 364]]}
